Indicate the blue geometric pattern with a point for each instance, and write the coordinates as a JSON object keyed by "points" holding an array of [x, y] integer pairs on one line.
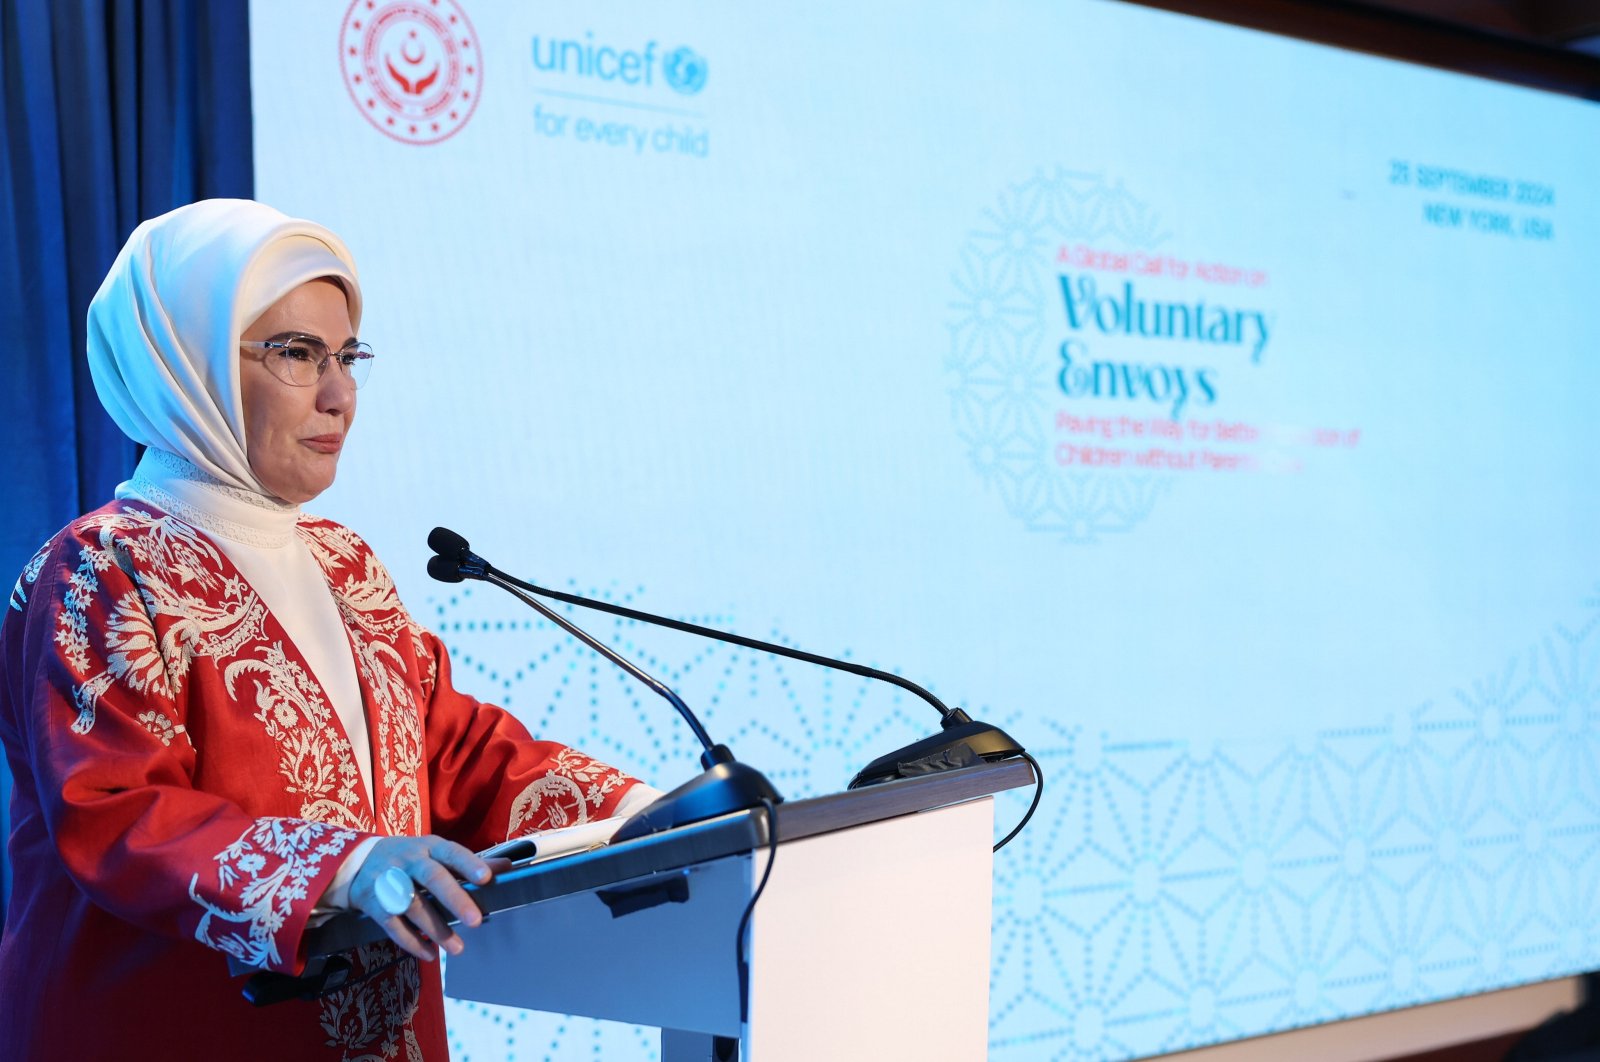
{"points": [[1167, 894], [1003, 353], [1179, 895]]}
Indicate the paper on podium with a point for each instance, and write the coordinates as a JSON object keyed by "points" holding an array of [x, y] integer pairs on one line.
{"points": [[551, 844]]}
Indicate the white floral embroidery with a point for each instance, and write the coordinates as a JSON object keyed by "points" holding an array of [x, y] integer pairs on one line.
{"points": [[260, 878], [134, 655], [399, 741], [540, 806], [85, 697], [30, 574], [564, 795], [419, 649], [365, 1023], [162, 727], [314, 757], [376, 622], [207, 610], [72, 625], [175, 572]]}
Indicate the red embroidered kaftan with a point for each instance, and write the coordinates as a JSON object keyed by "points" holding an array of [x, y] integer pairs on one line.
{"points": [[183, 788]]}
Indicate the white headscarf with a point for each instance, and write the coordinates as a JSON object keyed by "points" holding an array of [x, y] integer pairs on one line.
{"points": [[164, 327]]}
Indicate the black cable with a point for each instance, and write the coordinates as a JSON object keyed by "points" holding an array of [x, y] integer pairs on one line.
{"points": [[749, 908], [1038, 792]]}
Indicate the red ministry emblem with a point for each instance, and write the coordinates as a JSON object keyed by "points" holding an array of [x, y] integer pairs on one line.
{"points": [[413, 67]]}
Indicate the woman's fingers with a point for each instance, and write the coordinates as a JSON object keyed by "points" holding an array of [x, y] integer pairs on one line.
{"points": [[434, 864], [438, 880], [401, 932], [464, 861], [427, 919]]}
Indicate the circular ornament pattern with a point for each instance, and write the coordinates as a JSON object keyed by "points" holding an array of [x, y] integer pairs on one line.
{"points": [[413, 67]]}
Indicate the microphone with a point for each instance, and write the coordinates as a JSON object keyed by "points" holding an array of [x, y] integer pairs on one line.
{"points": [[963, 741], [454, 559], [444, 569], [725, 786]]}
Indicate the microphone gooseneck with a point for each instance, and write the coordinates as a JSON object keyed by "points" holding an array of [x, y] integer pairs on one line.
{"points": [[661, 689], [725, 786], [964, 741]]}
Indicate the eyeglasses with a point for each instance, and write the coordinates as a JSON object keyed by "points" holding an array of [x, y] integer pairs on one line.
{"points": [[301, 360]]}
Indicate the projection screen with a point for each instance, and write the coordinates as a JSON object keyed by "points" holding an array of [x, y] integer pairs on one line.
{"points": [[1209, 409]]}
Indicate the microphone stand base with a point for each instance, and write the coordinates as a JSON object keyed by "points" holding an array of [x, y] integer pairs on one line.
{"points": [[721, 790], [963, 745]]}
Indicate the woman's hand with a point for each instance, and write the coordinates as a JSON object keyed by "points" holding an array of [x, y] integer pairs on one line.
{"points": [[432, 863]]}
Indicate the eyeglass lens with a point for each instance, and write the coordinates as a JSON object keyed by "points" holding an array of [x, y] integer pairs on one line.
{"points": [[302, 360]]}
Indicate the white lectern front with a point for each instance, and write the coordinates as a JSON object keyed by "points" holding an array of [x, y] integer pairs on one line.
{"points": [[870, 941]]}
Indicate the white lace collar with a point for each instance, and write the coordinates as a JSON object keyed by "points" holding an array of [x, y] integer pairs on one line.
{"points": [[181, 488]]}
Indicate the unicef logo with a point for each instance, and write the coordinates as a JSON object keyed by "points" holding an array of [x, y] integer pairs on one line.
{"points": [[685, 71], [1003, 354]]}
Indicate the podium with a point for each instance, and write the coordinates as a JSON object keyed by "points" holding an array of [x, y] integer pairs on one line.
{"points": [[870, 940]]}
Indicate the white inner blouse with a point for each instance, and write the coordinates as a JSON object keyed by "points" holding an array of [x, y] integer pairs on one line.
{"points": [[257, 534]]}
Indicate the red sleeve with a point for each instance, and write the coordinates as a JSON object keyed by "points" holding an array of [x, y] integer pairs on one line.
{"points": [[490, 780], [96, 696]]}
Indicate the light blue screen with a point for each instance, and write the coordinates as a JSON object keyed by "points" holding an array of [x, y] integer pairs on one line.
{"points": [[1211, 410]]}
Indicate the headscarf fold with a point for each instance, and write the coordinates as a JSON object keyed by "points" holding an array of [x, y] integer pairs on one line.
{"points": [[164, 327]]}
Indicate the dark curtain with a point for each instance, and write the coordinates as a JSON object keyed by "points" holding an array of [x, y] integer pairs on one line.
{"points": [[114, 112]]}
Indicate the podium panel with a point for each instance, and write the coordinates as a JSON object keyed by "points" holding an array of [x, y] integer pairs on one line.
{"points": [[873, 942], [670, 964]]}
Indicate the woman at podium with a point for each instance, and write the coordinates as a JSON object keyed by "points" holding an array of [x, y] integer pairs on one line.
{"points": [[222, 723]]}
